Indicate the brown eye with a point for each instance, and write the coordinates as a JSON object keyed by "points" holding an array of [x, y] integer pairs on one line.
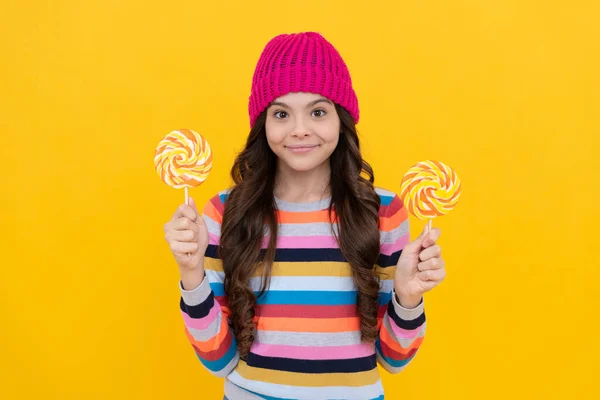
{"points": [[280, 114], [319, 112]]}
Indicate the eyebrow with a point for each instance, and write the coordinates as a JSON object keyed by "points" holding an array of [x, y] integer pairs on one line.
{"points": [[312, 103]]}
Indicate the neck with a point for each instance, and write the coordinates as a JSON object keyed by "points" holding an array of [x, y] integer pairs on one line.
{"points": [[300, 187]]}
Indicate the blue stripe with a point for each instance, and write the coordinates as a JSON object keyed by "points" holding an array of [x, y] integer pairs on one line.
{"points": [[386, 200], [394, 363], [223, 197], [384, 298], [307, 297], [222, 362], [218, 288], [281, 297]]}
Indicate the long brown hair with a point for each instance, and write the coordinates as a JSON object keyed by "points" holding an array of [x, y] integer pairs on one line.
{"points": [[251, 205]]}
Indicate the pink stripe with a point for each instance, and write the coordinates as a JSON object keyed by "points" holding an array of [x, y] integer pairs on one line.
{"points": [[214, 239], [403, 333], [389, 248], [201, 323], [304, 242], [314, 352]]}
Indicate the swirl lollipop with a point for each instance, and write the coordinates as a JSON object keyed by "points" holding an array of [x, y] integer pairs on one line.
{"points": [[183, 159], [430, 189]]}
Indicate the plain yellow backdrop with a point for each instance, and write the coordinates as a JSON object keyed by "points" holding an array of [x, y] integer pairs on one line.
{"points": [[506, 92]]}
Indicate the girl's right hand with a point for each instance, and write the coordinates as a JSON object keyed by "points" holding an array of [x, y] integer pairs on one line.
{"points": [[188, 238]]}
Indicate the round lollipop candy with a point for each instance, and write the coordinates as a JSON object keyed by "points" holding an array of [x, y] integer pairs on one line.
{"points": [[430, 189], [183, 159]]}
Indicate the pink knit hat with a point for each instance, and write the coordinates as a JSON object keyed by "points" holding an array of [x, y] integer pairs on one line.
{"points": [[301, 62]]}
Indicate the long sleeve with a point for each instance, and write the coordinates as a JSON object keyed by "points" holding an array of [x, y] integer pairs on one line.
{"points": [[401, 330], [204, 309]]}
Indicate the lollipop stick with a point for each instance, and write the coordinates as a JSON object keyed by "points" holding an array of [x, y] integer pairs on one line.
{"points": [[429, 226], [187, 198]]}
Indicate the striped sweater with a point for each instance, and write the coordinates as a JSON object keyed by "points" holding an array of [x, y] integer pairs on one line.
{"points": [[307, 343]]}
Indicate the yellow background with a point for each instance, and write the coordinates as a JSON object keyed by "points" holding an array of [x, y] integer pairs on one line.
{"points": [[506, 92]]}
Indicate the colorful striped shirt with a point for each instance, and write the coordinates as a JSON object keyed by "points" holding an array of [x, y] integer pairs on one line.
{"points": [[307, 342]]}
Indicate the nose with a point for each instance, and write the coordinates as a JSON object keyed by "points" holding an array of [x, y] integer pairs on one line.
{"points": [[300, 128]]}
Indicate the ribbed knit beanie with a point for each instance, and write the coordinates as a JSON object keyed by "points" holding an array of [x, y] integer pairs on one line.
{"points": [[301, 62]]}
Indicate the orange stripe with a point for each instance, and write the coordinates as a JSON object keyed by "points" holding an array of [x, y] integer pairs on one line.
{"points": [[394, 345], [309, 325], [289, 217], [394, 221], [212, 212], [211, 344]]}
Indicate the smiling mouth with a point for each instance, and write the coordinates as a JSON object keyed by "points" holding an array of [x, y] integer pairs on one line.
{"points": [[301, 149]]}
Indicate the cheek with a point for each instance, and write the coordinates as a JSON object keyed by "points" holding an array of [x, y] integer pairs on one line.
{"points": [[275, 135], [331, 132], [331, 138]]}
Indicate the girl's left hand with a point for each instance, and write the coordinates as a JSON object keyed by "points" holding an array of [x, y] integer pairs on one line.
{"points": [[419, 269]]}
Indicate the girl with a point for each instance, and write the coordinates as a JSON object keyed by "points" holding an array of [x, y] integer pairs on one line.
{"points": [[300, 278]]}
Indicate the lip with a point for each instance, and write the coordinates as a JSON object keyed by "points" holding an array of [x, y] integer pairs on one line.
{"points": [[305, 148]]}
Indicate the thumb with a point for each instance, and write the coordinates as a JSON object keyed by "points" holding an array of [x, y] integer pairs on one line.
{"points": [[193, 205], [415, 246]]}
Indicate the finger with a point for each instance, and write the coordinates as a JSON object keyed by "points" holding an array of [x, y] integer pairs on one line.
{"points": [[431, 237], [428, 285], [430, 252], [414, 246], [185, 236], [183, 224], [432, 275], [194, 207], [184, 247], [184, 211], [431, 264]]}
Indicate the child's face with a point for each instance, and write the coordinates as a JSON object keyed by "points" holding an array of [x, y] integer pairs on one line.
{"points": [[303, 130]]}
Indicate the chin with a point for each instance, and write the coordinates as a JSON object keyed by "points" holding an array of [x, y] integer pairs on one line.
{"points": [[301, 166]]}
